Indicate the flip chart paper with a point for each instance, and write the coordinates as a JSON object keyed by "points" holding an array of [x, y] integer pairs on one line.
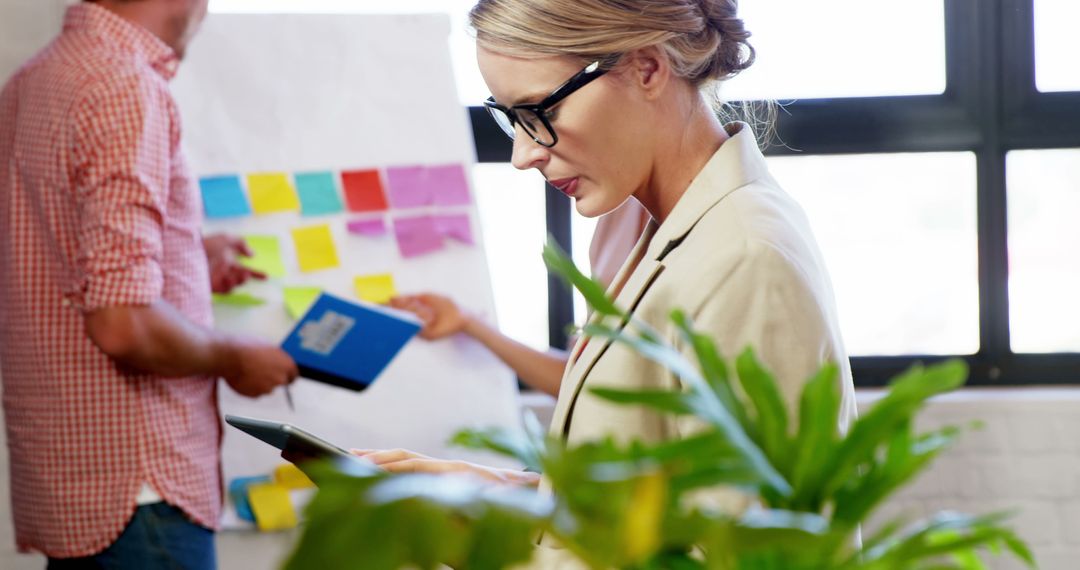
{"points": [[223, 197], [364, 191], [417, 236], [377, 289], [272, 192], [315, 249], [267, 255], [318, 194]]}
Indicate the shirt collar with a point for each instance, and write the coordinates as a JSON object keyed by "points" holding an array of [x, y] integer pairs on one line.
{"points": [[89, 18]]}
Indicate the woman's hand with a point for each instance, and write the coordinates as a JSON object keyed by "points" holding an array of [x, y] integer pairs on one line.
{"points": [[404, 461], [441, 316]]}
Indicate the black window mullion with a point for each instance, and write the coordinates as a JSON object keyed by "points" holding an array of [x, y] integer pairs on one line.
{"points": [[560, 295]]}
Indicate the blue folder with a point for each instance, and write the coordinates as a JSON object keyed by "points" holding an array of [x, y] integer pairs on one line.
{"points": [[348, 343]]}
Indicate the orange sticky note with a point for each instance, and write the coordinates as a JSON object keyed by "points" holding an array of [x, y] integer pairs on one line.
{"points": [[377, 289], [272, 506], [272, 192], [315, 248]]}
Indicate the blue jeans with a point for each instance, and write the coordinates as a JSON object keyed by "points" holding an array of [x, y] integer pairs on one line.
{"points": [[158, 536]]}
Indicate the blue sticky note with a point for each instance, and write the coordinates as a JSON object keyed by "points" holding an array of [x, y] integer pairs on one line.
{"points": [[223, 197], [238, 493], [318, 194]]}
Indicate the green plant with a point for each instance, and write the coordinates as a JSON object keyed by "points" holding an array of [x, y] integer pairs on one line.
{"points": [[639, 506]]}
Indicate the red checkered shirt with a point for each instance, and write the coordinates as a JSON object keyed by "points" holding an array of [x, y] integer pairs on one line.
{"points": [[97, 209]]}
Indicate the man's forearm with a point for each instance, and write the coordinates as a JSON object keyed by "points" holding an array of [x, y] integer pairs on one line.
{"points": [[159, 340]]}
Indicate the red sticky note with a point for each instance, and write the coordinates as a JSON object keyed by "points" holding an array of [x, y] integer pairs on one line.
{"points": [[364, 191]]}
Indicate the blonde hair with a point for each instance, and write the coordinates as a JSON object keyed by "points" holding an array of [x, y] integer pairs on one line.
{"points": [[705, 40]]}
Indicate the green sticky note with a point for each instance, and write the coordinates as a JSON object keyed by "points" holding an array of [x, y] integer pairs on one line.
{"points": [[238, 299], [299, 299], [267, 256]]}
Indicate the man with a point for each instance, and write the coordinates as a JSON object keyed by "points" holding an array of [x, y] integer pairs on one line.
{"points": [[109, 364]]}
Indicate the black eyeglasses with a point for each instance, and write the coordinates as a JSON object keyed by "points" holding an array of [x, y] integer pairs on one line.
{"points": [[536, 119]]}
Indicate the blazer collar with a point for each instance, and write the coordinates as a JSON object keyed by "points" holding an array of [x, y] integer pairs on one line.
{"points": [[737, 163]]}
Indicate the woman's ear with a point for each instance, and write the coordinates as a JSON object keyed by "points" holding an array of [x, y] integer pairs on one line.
{"points": [[649, 69]]}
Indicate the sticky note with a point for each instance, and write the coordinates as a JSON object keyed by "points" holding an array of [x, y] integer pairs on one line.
{"points": [[272, 506], [318, 194], [409, 187], [315, 248], [272, 192], [237, 299], [267, 255], [299, 299], [223, 197], [238, 494], [291, 477], [456, 227], [449, 185], [417, 236], [377, 289], [369, 228], [364, 191]]}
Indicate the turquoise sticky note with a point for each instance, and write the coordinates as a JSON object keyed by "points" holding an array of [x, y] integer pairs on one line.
{"points": [[318, 194], [223, 197], [238, 492]]}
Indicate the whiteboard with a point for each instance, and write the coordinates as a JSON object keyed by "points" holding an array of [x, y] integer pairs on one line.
{"points": [[296, 93]]}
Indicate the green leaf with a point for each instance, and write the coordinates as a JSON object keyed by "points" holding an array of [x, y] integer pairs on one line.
{"points": [[560, 264], [712, 367], [816, 438], [503, 442], [662, 400], [771, 415]]}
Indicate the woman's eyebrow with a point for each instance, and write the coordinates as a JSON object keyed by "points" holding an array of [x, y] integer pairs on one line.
{"points": [[535, 96]]}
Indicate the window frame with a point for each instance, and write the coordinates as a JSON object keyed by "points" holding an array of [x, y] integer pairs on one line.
{"points": [[990, 106]]}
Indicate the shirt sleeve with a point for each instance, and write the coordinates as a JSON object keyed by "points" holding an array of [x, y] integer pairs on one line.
{"points": [[122, 172]]}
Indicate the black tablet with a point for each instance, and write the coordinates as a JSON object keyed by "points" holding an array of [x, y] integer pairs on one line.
{"points": [[299, 446]]}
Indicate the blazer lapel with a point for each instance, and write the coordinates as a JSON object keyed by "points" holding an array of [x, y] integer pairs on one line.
{"points": [[591, 348]]}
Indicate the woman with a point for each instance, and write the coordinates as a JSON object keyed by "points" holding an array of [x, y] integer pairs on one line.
{"points": [[608, 100]]}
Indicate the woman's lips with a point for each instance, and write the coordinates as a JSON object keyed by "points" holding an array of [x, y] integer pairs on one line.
{"points": [[567, 186]]}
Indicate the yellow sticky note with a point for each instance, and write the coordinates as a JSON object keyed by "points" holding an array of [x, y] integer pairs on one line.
{"points": [[267, 255], [272, 192], [375, 288], [272, 507], [299, 299], [238, 299], [291, 477], [315, 248]]}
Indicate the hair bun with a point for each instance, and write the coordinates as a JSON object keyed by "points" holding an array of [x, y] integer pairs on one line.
{"points": [[734, 52]]}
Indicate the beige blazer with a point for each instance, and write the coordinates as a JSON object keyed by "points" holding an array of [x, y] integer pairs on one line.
{"points": [[737, 255]]}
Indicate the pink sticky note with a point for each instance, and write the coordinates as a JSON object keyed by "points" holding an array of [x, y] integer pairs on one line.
{"points": [[409, 187], [449, 185], [417, 236], [455, 226], [369, 228]]}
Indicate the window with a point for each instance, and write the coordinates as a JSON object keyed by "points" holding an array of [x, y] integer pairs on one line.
{"points": [[1056, 45], [845, 48], [1044, 280], [899, 238]]}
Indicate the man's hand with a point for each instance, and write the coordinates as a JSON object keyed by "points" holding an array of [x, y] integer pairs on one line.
{"points": [[255, 368], [222, 254]]}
